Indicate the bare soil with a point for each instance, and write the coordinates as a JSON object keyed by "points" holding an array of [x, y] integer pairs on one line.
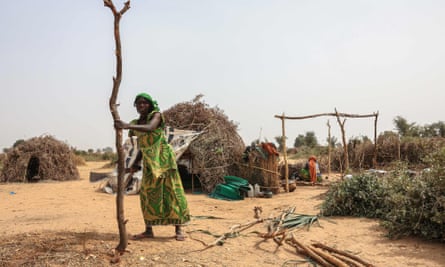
{"points": [[72, 224]]}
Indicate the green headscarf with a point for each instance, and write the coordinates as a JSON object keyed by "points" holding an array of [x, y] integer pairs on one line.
{"points": [[149, 99]]}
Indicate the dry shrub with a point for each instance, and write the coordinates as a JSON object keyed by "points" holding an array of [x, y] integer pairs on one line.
{"points": [[215, 152], [39, 158], [411, 150], [361, 154], [388, 147]]}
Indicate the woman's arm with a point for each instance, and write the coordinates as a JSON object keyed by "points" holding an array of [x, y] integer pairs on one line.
{"points": [[149, 126]]}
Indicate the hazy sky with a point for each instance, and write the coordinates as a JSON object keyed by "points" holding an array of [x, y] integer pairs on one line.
{"points": [[252, 58]]}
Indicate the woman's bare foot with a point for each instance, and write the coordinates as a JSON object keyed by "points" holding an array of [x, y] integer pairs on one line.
{"points": [[179, 235], [147, 234]]}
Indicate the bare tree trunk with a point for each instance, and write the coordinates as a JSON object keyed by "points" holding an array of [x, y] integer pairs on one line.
{"points": [[123, 241]]}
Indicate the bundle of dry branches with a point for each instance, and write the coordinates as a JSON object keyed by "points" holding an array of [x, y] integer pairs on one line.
{"points": [[217, 149], [40, 158], [327, 256], [282, 230]]}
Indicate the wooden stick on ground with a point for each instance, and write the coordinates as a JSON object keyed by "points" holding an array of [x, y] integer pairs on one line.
{"points": [[242, 227], [234, 229], [328, 257], [319, 245], [308, 252], [348, 261]]}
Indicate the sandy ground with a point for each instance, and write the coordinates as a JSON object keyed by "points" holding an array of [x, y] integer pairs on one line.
{"points": [[72, 224]]}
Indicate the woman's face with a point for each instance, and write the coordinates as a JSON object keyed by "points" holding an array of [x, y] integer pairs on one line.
{"points": [[142, 105]]}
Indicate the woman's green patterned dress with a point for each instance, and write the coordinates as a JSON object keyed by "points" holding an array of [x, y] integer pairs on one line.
{"points": [[162, 194]]}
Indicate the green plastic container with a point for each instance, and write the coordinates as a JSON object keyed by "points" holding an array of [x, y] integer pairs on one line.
{"points": [[224, 191]]}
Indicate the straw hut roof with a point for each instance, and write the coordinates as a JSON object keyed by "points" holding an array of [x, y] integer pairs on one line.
{"points": [[39, 158], [216, 151]]}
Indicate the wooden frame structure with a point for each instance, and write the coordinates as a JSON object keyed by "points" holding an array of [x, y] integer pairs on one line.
{"points": [[342, 128]]}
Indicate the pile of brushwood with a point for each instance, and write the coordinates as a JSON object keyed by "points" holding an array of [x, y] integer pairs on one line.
{"points": [[2, 160], [39, 158], [217, 150], [407, 206], [391, 148]]}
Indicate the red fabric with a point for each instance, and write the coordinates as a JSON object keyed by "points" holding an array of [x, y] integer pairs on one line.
{"points": [[269, 148], [313, 169]]}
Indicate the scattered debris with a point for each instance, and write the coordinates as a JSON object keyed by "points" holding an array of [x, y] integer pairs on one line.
{"points": [[282, 230]]}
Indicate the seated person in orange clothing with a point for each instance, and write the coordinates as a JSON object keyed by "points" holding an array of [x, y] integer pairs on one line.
{"points": [[313, 169]]}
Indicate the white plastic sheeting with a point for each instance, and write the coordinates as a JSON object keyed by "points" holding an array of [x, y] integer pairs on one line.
{"points": [[178, 139]]}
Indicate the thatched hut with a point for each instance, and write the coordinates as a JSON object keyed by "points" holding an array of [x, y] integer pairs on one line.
{"points": [[216, 151], [39, 158]]}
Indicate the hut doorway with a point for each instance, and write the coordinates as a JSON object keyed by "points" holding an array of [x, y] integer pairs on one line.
{"points": [[189, 180], [32, 171]]}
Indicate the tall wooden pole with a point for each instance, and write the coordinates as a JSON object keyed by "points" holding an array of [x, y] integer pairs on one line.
{"points": [[123, 240], [329, 149], [283, 145], [345, 145], [376, 148]]}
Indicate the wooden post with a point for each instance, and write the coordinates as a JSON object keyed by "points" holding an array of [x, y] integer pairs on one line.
{"points": [[374, 159], [115, 114], [329, 149], [283, 141], [342, 124], [343, 138]]}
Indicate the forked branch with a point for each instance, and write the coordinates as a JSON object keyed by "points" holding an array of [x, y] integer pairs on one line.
{"points": [[113, 108]]}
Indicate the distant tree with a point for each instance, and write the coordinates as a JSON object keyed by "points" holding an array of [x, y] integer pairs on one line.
{"points": [[107, 150], [299, 141], [404, 128], [310, 139], [434, 130], [279, 140]]}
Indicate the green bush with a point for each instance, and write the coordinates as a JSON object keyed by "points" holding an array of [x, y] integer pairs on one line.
{"points": [[362, 195], [408, 205], [418, 203]]}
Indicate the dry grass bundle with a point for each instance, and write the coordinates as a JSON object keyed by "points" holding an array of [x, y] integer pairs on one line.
{"points": [[39, 158], [217, 149]]}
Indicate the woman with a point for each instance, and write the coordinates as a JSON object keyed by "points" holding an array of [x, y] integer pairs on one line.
{"points": [[162, 196]]}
